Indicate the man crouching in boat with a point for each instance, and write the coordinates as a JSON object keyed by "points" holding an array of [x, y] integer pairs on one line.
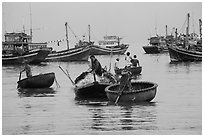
{"points": [[125, 81], [27, 69]]}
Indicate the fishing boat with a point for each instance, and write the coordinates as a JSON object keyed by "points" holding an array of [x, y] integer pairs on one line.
{"points": [[156, 45], [38, 81], [110, 45], [80, 52], [132, 69], [74, 54], [186, 48], [142, 92], [178, 54], [18, 47], [93, 89]]}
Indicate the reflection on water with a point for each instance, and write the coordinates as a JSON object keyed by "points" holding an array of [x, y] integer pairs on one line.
{"points": [[123, 117], [40, 92]]}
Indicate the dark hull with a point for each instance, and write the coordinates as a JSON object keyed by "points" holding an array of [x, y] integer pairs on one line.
{"points": [[75, 54], [33, 57], [38, 81], [143, 92], [154, 49], [97, 50], [133, 70], [180, 54], [91, 91]]}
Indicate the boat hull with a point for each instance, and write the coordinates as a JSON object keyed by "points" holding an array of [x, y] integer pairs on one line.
{"points": [[34, 57], [75, 54], [97, 50], [154, 49], [143, 92], [93, 90], [133, 70], [38, 81], [179, 54]]}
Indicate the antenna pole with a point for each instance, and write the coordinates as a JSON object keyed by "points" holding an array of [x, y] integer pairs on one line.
{"points": [[67, 35], [31, 33], [89, 33], [200, 27]]}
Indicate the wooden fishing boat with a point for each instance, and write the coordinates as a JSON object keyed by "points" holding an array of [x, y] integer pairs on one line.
{"points": [[33, 57], [181, 54], [133, 70], [18, 47], [38, 81], [95, 90], [156, 45], [186, 48], [74, 54], [87, 87], [110, 45], [142, 92]]}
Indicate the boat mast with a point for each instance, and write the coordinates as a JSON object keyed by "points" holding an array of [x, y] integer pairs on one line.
{"points": [[187, 30], [200, 27], [89, 33], [166, 31], [31, 33], [67, 35]]}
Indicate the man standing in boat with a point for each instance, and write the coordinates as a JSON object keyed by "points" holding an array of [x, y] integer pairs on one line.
{"points": [[95, 66], [27, 69], [116, 65], [135, 61], [128, 59]]}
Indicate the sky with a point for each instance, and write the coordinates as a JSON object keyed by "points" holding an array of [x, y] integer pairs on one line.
{"points": [[134, 21]]}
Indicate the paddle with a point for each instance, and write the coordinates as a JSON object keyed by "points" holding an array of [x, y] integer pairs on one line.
{"points": [[68, 76], [19, 79], [120, 93]]}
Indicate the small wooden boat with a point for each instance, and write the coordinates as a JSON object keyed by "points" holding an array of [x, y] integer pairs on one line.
{"points": [[142, 92], [133, 70], [38, 81], [91, 90]]}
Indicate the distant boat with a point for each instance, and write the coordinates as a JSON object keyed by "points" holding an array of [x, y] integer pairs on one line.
{"points": [[156, 45], [186, 49], [110, 45], [18, 47], [74, 54], [38, 81], [80, 52], [142, 92]]}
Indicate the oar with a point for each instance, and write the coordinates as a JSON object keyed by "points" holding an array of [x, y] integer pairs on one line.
{"points": [[19, 79], [68, 76], [117, 99]]}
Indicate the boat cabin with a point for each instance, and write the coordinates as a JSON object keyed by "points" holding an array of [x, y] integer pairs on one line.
{"points": [[110, 41], [15, 42]]}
